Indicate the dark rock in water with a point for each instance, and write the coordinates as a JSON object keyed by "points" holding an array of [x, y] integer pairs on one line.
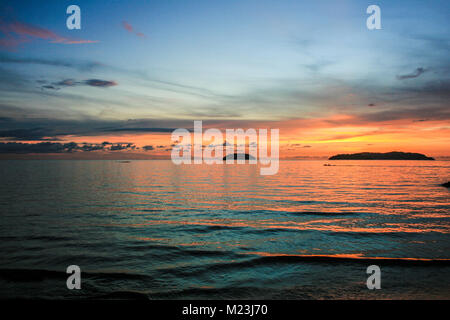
{"points": [[237, 156], [447, 184], [394, 155]]}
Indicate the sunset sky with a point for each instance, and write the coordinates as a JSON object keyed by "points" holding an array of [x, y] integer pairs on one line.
{"points": [[137, 70]]}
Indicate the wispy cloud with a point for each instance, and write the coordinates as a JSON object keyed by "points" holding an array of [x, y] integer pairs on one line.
{"points": [[130, 29], [27, 134], [16, 33], [71, 83], [160, 130], [80, 66], [100, 83], [66, 83], [43, 128], [417, 73]]}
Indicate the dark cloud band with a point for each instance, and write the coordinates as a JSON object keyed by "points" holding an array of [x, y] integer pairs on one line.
{"points": [[56, 147]]}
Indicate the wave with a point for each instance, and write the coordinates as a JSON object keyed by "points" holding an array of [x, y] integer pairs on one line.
{"points": [[345, 258], [263, 259], [181, 250], [315, 213], [26, 275], [323, 213], [258, 259], [36, 237]]}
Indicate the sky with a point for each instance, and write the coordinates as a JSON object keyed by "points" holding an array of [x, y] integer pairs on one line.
{"points": [[137, 70]]}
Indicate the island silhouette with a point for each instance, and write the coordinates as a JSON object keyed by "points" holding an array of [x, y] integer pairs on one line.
{"points": [[394, 155]]}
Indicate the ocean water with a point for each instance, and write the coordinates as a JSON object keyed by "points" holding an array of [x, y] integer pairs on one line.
{"points": [[153, 230]]}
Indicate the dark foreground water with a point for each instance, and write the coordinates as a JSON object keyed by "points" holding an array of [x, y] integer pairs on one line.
{"points": [[150, 229]]}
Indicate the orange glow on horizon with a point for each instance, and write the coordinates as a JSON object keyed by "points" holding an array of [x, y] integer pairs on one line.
{"points": [[309, 138]]}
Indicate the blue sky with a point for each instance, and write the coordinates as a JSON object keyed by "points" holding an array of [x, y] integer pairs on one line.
{"points": [[225, 61]]}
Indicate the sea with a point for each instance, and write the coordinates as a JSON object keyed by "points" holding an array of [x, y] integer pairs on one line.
{"points": [[145, 229]]}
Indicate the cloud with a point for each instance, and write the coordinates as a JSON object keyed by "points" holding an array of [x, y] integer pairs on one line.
{"points": [[148, 148], [86, 66], [16, 33], [91, 147], [130, 29], [50, 87], [415, 74], [56, 147], [127, 26], [26, 134], [411, 113], [432, 42], [42, 126], [66, 83], [161, 130], [119, 146], [71, 82], [100, 83], [81, 66], [42, 147]]}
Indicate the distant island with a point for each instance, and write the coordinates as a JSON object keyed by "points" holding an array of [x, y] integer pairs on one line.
{"points": [[394, 155], [239, 156]]}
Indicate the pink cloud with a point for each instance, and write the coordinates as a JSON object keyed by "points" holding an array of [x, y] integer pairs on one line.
{"points": [[16, 33], [130, 28], [11, 42], [127, 26]]}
